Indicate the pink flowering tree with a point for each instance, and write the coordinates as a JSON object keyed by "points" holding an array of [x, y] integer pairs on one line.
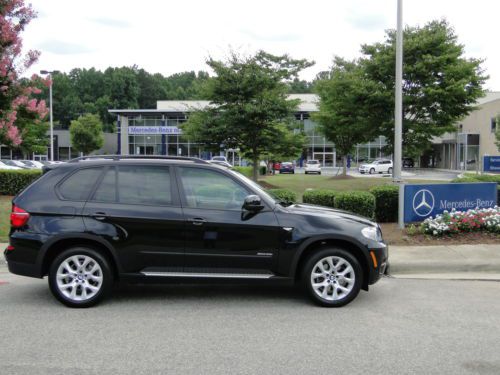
{"points": [[20, 111]]}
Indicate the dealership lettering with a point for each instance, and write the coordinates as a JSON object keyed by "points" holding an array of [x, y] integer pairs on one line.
{"points": [[151, 130], [465, 204]]}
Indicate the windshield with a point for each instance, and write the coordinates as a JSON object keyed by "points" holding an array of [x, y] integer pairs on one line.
{"points": [[313, 162]]}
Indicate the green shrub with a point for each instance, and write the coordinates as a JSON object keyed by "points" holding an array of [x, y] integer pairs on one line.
{"points": [[284, 195], [358, 202], [245, 171], [386, 203], [321, 197], [213, 191], [13, 181]]}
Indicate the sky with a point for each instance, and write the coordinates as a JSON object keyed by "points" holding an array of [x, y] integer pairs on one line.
{"points": [[168, 37]]}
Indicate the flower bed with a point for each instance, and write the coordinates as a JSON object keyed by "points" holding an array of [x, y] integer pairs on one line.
{"points": [[486, 220]]}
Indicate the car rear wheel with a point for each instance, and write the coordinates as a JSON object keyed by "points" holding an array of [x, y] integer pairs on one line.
{"points": [[332, 277], [80, 277], [389, 170], [372, 170]]}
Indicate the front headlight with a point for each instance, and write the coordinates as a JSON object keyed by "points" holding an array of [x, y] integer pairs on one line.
{"points": [[372, 233]]}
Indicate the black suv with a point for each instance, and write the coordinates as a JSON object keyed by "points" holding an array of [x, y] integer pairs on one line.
{"points": [[94, 221]]}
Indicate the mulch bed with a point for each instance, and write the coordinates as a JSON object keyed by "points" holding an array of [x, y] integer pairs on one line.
{"points": [[394, 236]]}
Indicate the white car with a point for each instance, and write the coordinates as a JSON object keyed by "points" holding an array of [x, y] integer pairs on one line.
{"points": [[32, 164], [219, 158], [377, 166], [313, 166], [8, 167]]}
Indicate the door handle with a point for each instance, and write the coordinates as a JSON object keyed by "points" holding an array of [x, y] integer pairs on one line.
{"points": [[197, 221], [99, 215]]}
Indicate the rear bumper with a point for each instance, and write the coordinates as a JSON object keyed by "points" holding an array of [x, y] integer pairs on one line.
{"points": [[24, 269]]}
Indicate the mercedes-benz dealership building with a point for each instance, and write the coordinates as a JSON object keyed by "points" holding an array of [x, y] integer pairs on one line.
{"points": [[158, 132]]}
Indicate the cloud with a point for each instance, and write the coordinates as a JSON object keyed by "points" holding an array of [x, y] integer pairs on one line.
{"points": [[63, 48], [111, 22], [269, 37]]}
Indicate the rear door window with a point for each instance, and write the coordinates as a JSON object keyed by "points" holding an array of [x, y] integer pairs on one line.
{"points": [[135, 184], [79, 185]]}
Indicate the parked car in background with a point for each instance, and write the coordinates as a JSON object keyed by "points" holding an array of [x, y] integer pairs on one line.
{"points": [[219, 158], [312, 166], [87, 225], [377, 166], [220, 162], [5, 166], [14, 163], [32, 164], [408, 163], [287, 167]]}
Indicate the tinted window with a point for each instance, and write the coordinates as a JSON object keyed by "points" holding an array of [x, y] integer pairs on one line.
{"points": [[144, 185], [212, 190], [106, 191], [78, 186]]}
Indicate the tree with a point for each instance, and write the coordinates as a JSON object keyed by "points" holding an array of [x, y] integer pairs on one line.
{"points": [[86, 133], [440, 85], [348, 108], [16, 98], [249, 106]]}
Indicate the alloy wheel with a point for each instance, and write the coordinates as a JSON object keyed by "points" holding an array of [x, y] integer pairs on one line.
{"points": [[333, 278], [79, 277]]}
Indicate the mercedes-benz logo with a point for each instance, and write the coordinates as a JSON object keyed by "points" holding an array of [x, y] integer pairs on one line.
{"points": [[423, 202]]}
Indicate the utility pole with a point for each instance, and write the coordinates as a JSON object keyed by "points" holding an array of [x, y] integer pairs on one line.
{"points": [[398, 114]]}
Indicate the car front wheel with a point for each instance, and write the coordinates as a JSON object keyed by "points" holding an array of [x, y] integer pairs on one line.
{"points": [[372, 171], [80, 277], [332, 277]]}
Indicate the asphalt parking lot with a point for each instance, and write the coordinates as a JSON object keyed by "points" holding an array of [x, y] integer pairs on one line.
{"points": [[399, 327]]}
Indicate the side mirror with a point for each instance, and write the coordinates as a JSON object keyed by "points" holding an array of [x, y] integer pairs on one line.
{"points": [[252, 203]]}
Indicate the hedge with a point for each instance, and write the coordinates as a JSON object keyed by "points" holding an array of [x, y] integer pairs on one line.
{"points": [[13, 181], [284, 195], [386, 203], [320, 197], [358, 202]]}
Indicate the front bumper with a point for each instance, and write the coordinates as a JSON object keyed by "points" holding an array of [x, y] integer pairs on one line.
{"points": [[379, 259]]}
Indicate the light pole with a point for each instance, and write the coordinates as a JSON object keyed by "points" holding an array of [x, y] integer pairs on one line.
{"points": [[398, 114], [51, 115]]}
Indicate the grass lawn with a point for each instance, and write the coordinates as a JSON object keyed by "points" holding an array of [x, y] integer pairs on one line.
{"points": [[301, 182], [5, 207]]}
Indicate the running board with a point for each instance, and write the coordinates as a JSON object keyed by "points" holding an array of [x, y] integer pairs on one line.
{"points": [[209, 275]]}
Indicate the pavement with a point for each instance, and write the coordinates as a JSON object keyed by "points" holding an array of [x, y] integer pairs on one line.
{"points": [[398, 327], [478, 262]]}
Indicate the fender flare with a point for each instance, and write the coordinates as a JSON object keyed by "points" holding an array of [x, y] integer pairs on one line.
{"points": [[76, 236], [329, 237]]}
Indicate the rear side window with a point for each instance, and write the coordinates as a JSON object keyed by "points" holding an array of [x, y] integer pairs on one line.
{"points": [[132, 184], [78, 186]]}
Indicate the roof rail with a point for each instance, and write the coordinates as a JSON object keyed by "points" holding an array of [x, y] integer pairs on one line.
{"points": [[120, 157]]}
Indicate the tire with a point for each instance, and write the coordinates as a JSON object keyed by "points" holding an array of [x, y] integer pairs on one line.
{"points": [[319, 173], [97, 283], [389, 170], [319, 263], [372, 171], [293, 172], [306, 172]]}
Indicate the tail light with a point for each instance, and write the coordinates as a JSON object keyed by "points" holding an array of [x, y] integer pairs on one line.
{"points": [[18, 217]]}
